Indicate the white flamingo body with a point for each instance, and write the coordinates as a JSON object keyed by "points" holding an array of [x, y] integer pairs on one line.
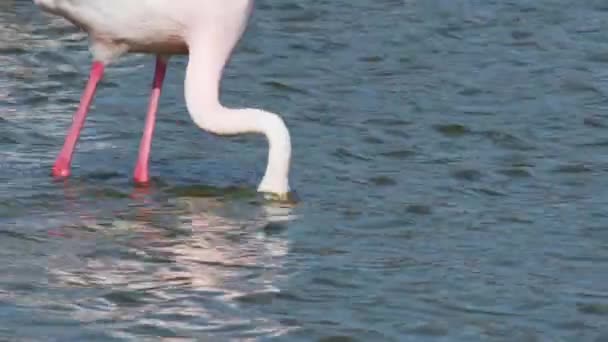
{"points": [[207, 31]]}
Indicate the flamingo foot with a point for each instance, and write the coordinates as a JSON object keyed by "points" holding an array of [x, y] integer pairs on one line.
{"points": [[61, 169], [141, 175]]}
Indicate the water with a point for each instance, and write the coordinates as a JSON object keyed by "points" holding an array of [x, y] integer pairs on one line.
{"points": [[450, 156]]}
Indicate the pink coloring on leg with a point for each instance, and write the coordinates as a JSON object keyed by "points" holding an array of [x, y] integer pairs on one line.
{"points": [[141, 174], [64, 160]]}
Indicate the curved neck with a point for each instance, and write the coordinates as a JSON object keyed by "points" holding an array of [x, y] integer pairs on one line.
{"points": [[217, 119], [208, 56], [227, 121]]}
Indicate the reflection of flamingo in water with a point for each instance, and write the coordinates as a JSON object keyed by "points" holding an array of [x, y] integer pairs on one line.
{"points": [[205, 30], [207, 258], [173, 275]]}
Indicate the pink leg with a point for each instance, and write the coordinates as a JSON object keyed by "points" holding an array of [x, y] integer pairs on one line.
{"points": [[64, 160], [141, 174]]}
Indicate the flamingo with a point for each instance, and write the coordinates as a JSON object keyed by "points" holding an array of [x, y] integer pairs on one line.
{"points": [[205, 31]]}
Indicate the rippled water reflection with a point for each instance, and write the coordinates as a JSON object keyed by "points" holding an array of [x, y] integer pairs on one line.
{"points": [[450, 156]]}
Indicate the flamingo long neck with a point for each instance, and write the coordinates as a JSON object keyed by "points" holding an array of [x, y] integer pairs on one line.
{"points": [[202, 99]]}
